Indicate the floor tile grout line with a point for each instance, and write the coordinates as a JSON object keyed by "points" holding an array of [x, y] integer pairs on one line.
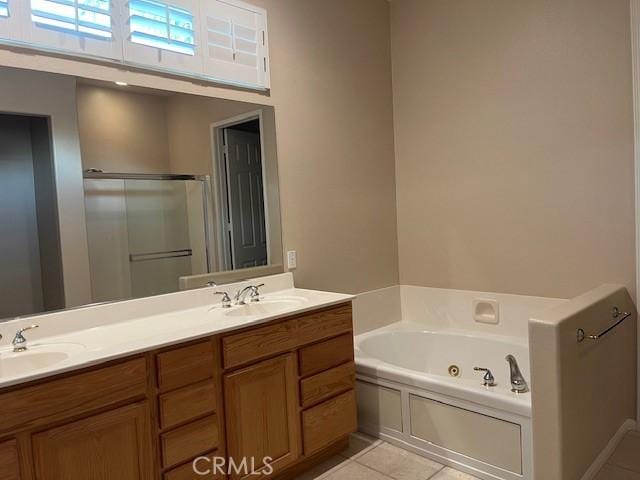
{"points": [[442, 467], [335, 469], [622, 467], [374, 470], [436, 473]]}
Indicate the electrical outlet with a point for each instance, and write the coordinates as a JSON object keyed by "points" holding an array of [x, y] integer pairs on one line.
{"points": [[292, 259]]}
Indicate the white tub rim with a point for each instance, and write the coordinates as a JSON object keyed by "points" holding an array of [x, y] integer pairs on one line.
{"points": [[467, 390]]}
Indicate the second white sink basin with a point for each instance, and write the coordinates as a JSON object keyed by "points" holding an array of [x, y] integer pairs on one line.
{"points": [[268, 306], [37, 357]]}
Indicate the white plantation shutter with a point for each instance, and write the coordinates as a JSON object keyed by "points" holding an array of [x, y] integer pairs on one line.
{"points": [[9, 19], [163, 34], [160, 25], [79, 17], [83, 26], [236, 42], [4, 8], [221, 40]]}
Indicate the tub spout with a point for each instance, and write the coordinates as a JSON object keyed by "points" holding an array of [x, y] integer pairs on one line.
{"points": [[518, 383]]}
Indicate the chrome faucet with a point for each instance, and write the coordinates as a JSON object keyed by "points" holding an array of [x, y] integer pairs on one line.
{"points": [[19, 341], [242, 294], [518, 383], [226, 300], [488, 380]]}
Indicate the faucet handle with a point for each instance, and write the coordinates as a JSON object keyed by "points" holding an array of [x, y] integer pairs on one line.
{"points": [[19, 342], [255, 292], [226, 300], [488, 378]]}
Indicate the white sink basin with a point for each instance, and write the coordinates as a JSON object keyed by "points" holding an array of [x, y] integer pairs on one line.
{"points": [[267, 306], [37, 357]]}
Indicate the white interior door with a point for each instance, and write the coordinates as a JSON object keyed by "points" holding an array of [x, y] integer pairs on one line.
{"points": [[245, 193]]}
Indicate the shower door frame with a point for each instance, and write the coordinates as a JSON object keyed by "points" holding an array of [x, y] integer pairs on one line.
{"points": [[204, 179]]}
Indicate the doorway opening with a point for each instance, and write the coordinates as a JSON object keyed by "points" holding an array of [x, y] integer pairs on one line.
{"points": [[242, 216], [31, 264]]}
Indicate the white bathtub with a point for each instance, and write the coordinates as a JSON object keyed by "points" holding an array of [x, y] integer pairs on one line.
{"points": [[407, 396]]}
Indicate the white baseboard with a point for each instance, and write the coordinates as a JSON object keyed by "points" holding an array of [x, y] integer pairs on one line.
{"points": [[601, 459]]}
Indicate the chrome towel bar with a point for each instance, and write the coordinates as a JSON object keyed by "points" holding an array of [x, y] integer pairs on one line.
{"points": [[617, 315], [143, 257]]}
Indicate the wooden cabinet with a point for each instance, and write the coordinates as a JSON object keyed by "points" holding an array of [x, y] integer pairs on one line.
{"points": [[282, 390], [190, 417], [9, 462], [329, 421], [262, 415], [111, 445]]}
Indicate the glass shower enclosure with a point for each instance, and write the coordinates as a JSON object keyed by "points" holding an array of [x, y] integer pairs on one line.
{"points": [[145, 231]]}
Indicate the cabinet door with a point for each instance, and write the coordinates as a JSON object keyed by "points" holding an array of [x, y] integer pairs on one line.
{"points": [[262, 413], [163, 34], [115, 444], [9, 466], [236, 42]]}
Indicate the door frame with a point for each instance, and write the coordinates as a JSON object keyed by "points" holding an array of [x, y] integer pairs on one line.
{"points": [[635, 54], [221, 207]]}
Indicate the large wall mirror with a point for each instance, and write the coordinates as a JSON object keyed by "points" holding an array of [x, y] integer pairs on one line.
{"points": [[111, 191]]}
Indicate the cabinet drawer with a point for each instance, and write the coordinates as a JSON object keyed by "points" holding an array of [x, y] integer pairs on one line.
{"points": [[9, 467], [327, 384], [322, 356], [324, 324], [61, 398], [187, 403], [328, 422], [187, 365], [186, 472], [189, 441], [258, 342]]}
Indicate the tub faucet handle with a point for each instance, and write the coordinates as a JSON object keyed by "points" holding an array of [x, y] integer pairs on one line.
{"points": [[488, 378]]}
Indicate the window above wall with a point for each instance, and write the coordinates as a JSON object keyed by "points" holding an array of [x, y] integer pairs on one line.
{"points": [[223, 41], [81, 17], [163, 26]]}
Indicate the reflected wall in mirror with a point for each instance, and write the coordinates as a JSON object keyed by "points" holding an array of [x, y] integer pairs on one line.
{"points": [[110, 192]]}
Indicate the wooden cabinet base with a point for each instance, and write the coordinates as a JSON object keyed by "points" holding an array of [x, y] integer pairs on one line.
{"points": [[275, 399]]}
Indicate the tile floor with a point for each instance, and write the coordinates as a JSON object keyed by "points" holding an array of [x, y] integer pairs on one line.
{"points": [[624, 464], [368, 458]]}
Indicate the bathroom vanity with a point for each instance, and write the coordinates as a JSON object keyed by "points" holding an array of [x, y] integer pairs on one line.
{"points": [[281, 388]]}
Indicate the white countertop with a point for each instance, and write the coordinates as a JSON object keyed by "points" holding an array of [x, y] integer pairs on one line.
{"points": [[104, 340]]}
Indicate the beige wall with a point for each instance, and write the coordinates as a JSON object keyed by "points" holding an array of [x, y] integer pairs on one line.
{"points": [[331, 78], [54, 96], [122, 131], [189, 121], [514, 144]]}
